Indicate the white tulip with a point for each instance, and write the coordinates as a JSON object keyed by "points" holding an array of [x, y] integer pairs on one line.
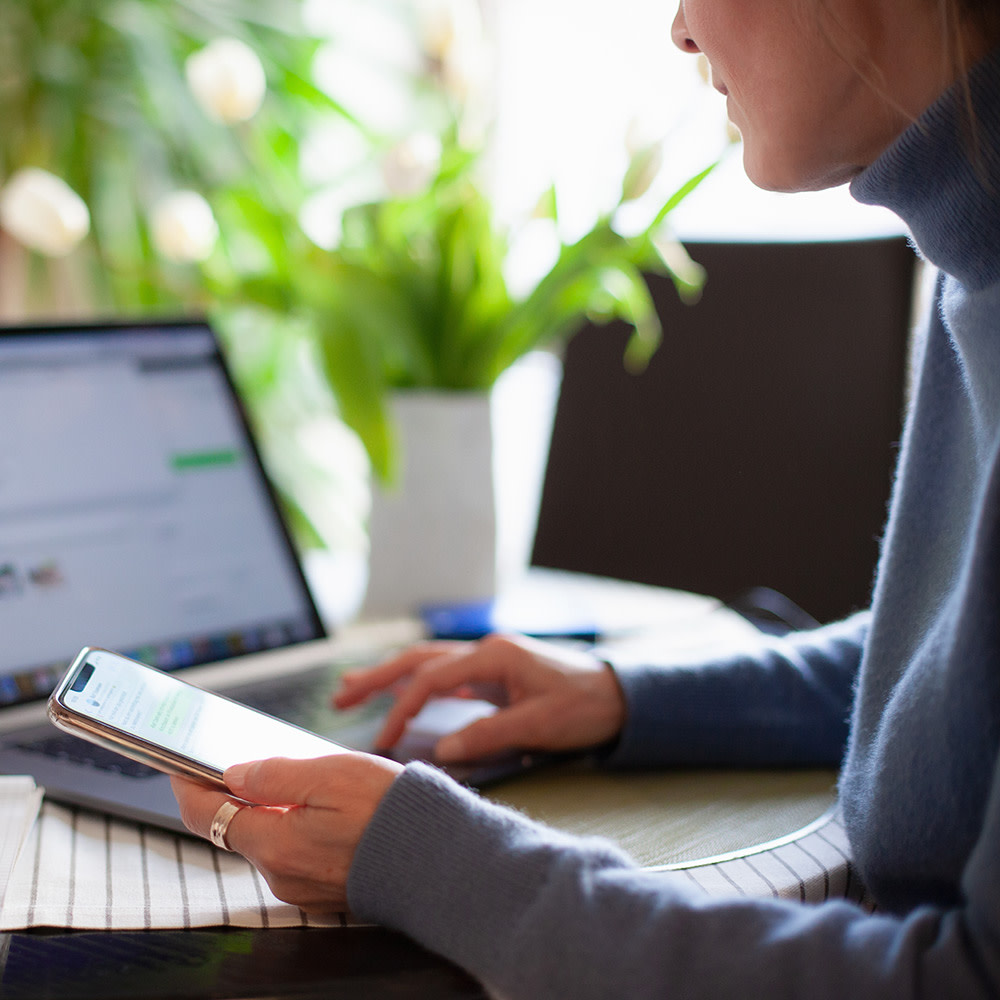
{"points": [[704, 68], [183, 227], [445, 24], [643, 169], [410, 165], [454, 41], [43, 212], [227, 80]]}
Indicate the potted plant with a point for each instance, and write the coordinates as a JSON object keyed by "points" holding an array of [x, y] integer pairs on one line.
{"points": [[416, 295], [415, 318]]}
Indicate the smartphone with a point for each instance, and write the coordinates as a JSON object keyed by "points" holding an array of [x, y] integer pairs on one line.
{"points": [[161, 720]]}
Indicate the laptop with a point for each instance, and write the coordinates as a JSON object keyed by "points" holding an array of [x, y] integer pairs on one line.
{"points": [[135, 515]]}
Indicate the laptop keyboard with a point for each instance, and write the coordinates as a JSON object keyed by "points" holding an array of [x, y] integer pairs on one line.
{"points": [[63, 746], [291, 702]]}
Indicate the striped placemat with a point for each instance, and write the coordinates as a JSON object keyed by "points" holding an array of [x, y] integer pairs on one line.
{"points": [[79, 870], [85, 871]]}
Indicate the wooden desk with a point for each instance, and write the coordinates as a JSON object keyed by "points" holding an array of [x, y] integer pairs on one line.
{"points": [[674, 816]]}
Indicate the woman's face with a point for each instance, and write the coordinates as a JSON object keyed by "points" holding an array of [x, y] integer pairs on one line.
{"points": [[817, 89]]}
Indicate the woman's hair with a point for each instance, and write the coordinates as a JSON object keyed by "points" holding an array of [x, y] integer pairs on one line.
{"points": [[966, 22]]}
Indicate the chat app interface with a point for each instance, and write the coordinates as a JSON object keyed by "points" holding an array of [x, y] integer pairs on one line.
{"points": [[161, 710]]}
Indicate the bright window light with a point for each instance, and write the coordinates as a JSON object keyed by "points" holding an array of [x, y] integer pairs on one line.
{"points": [[576, 77]]}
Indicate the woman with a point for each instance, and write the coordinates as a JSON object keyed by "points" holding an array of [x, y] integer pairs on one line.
{"points": [[902, 98]]}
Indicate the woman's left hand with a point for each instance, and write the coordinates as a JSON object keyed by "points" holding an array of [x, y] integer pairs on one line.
{"points": [[305, 824]]}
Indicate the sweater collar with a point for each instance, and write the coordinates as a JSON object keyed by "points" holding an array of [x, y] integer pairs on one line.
{"points": [[943, 179]]}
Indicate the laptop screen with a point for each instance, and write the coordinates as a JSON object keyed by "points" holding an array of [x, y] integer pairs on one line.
{"points": [[134, 513]]}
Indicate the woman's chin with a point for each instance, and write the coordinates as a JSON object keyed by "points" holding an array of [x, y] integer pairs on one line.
{"points": [[786, 175]]}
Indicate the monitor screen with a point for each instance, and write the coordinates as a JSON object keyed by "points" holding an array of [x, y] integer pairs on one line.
{"points": [[134, 513]]}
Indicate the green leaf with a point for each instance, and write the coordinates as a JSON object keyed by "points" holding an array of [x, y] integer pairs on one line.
{"points": [[356, 378], [680, 194]]}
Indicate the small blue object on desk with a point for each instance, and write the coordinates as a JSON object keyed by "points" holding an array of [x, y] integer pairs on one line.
{"points": [[474, 619]]}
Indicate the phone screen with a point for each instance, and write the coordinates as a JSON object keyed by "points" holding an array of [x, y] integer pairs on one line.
{"points": [[170, 713]]}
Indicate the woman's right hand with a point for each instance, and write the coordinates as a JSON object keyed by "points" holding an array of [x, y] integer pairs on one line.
{"points": [[548, 697]]}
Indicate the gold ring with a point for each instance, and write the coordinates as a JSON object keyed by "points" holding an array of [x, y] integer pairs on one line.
{"points": [[220, 823]]}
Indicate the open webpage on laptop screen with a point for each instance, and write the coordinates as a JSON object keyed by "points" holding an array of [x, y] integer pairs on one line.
{"points": [[133, 510]]}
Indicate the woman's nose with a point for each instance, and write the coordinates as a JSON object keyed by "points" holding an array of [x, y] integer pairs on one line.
{"points": [[679, 32]]}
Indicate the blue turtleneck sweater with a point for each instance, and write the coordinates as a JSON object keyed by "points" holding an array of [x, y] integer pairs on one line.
{"points": [[911, 689]]}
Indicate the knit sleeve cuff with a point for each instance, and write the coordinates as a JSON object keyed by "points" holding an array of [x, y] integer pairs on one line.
{"points": [[431, 838]]}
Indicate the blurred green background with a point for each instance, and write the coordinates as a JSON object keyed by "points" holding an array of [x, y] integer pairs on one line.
{"points": [[316, 177]]}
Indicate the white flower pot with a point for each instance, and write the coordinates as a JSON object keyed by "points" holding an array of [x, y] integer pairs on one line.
{"points": [[459, 522]]}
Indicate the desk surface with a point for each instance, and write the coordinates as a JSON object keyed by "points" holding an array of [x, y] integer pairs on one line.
{"points": [[674, 816]]}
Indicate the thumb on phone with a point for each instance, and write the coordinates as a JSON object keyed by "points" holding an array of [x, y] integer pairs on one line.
{"points": [[325, 782]]}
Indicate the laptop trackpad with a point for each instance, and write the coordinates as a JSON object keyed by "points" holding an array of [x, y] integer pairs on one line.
{"points": [[437, 718], [447, 715]]}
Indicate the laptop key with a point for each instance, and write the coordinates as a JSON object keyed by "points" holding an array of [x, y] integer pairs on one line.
{"points": [[70, 748]]}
